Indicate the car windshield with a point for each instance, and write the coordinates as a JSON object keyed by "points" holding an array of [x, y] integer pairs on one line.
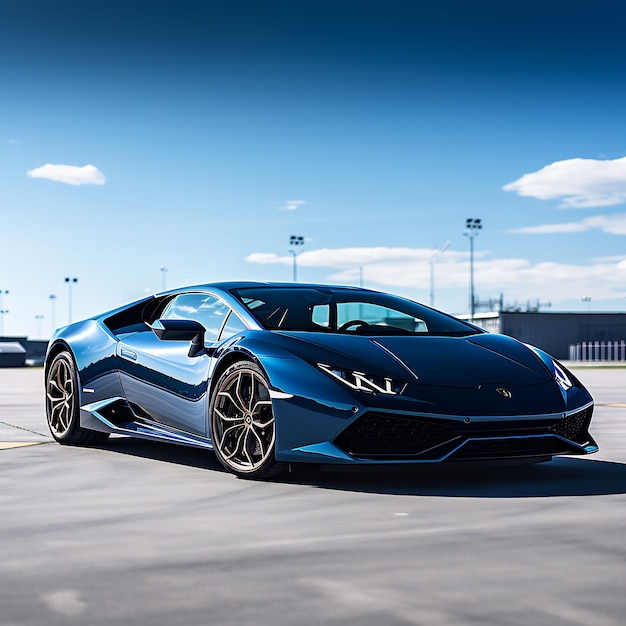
{"points": [[344, 310]]}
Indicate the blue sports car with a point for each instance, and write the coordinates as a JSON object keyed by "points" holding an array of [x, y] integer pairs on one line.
{"points": [[267, 375]]}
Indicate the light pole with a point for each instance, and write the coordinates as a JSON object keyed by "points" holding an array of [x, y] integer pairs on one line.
{"points": [[473, 225], [38, 318], [433, 257], [164, 272], [295, 241], [3, 311], [70, 282], [53, 298]]}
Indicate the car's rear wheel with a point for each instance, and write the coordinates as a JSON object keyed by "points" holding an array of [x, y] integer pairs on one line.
{"points": [[62, 404], [242, 422]]}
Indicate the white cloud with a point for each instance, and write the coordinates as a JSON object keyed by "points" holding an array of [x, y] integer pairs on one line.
{"points": [[519, 279], [549, 229], [579, 183], [69, 174], [352, 257], [267, 257], [292, 205], [612, 224], [609, 259]]}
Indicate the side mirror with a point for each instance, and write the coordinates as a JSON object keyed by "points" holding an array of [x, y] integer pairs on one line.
{"points": [[181, 330]]}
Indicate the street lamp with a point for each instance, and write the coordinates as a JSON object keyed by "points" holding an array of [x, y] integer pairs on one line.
{"points": [[295, 241], [433, 257], [53, 298], [38, 318], [70, 282], [473, 225], [3, 311], [164, 272]]}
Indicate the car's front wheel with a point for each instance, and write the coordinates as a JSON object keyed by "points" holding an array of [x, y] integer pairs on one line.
{"points": [[242, 422], [62, 404]]}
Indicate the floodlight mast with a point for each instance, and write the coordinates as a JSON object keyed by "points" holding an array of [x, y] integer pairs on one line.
{"points": [[70, 281], [473, 225], [164, 272], [295, 241], [3, 311], [52, 298]]}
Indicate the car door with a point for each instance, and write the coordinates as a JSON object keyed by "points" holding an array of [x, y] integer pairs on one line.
{"points": [[160, 378]]}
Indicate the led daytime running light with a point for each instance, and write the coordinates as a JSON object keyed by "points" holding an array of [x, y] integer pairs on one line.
{"points": [[359, 381]]}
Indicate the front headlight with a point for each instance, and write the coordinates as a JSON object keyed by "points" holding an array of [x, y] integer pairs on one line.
{"points": [[360, 381], [561, 377]]}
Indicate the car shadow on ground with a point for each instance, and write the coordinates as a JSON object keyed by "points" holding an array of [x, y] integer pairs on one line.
{"points": [[559, 477], [166, 452], [564, 476]]}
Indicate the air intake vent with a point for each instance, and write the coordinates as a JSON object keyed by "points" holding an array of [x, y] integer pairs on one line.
{"points": [[574, 427], [387, 435]]}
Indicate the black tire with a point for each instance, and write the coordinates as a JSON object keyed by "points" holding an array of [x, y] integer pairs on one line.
{"points": [[62, 404], [242, 422]]}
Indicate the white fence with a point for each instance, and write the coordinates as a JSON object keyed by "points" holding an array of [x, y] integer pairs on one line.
{"points": [[598, 351]]}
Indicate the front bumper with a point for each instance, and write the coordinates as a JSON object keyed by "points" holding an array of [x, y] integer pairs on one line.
{"points": [[381, 437], [319, 420]]}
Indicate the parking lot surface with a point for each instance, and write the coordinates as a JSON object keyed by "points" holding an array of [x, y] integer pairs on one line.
{"points": [[144, 533]]}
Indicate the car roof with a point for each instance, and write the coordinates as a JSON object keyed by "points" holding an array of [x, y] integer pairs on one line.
{"points": [[230, 285]]}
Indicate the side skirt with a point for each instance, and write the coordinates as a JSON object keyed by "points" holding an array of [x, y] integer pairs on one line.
{"points": [[115, 415]]}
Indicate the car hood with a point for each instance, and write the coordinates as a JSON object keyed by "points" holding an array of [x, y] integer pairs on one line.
{"points": [[461, 362]]}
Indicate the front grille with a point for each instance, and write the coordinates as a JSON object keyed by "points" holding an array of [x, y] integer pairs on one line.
{"points": [[574, 427], [381, 434], [377, 435]]}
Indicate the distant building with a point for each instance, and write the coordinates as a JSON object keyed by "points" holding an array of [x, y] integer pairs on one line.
{"points": [[12, 354], [555, 332], [34, 351]]}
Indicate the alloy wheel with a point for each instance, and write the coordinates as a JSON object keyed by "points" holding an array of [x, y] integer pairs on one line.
{"points": [[61, 397], [243, 421]]}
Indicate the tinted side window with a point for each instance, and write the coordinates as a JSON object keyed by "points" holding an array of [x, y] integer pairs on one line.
{"points": [[233, 326], [208, 310]]}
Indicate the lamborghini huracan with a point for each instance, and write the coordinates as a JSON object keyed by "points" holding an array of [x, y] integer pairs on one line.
{"points": [[268, 375]]}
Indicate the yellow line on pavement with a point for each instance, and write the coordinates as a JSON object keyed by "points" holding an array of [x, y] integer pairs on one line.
{"points": [[619, 406], [7, 445]]}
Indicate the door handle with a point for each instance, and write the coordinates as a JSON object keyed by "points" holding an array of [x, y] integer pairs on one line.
{"points": [[128, 354]]}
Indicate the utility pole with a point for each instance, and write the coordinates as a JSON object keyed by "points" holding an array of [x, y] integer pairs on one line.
{"points": [[433, 257]]}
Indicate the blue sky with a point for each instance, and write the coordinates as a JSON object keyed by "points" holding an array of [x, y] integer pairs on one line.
{"points": [[214, 131]]}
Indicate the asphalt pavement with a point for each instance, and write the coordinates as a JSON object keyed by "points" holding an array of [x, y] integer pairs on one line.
{"points": [[144, 533]]}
